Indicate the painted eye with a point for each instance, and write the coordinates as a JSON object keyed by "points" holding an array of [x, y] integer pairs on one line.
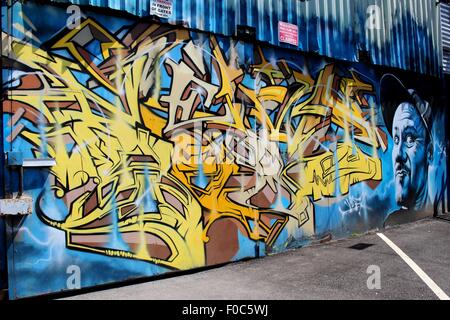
{"points": [[409, 141], [396, 140]]}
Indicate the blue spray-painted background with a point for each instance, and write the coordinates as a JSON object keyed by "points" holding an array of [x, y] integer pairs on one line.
{"points": [[41, 251]]}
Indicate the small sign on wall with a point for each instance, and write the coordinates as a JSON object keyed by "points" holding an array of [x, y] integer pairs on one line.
{"points": [[288, 33], [161, 8]]}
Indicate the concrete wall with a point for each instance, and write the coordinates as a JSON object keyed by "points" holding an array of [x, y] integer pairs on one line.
{"points": [[177, 149]]}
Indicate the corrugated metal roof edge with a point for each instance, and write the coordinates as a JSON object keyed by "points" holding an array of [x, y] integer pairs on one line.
{"points": [[183, 24], [445, 37]]}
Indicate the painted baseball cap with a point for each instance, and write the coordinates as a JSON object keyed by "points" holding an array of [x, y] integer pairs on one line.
{"points": [[393, 93]]}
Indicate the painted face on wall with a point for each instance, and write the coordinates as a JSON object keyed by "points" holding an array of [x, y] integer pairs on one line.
{"points": [[409, 156]]}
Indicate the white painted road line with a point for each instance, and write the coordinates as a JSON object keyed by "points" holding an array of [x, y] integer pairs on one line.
{"points": [[428, 281]]}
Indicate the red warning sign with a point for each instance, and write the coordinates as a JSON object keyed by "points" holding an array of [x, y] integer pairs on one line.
{"points": [[288, 33]]}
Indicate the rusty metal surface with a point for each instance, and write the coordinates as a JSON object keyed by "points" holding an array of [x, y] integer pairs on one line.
{"points": [[20, 206]]}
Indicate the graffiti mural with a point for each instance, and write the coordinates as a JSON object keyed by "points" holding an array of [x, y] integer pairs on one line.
{"points": [[179, 150], [409, 120]]}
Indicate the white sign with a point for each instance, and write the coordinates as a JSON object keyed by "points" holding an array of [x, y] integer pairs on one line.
{"points": [[288, 33], [161, 8]]}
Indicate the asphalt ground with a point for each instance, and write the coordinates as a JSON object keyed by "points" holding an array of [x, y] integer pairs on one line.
{"points": [[336, 270]]}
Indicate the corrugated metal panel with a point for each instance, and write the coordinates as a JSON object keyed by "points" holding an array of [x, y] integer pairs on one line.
{"points": [[445, 35], [405, 33]]}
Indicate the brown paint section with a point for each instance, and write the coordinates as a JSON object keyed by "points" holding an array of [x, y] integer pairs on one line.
{"points": [[96, 240], [74, 194], [30, 82], [156, 247], [31, 114], [141, 158], [125, 194], [265, 198], [91, 203], [71, 105], [174, 202], [223, 244], [102, 222]]}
